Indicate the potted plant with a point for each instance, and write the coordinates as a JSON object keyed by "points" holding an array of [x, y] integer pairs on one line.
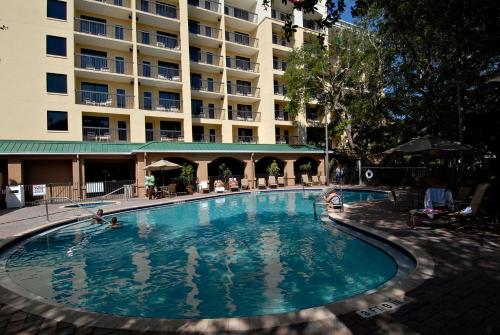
{"points": [[273, 169], [225, 173], [187, 176], [305, 168]]}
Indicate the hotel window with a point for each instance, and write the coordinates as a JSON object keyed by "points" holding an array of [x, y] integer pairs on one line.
{"points": [[57, 83], [57, 121], [56, 45], [56, 9]]}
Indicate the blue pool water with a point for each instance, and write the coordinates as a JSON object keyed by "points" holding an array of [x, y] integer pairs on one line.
{"points": [[239, 255]]}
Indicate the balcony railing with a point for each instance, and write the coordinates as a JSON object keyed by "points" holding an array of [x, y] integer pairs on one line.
{"points": [[157, 40], [278, 15], [104, 134], [104, 99], [282, 116], [279, 65], [159, 72], [281, 40], [311, 24], [160, 104], [206, 138], [207, 31], [205, 58], [241, 115], [157, 8], [213, 6], [280, 90], [246, 139], [164, 135], [242, 39], [284, 139], [243, 90], [243, 65], [240, 14], [312, 117], [206, 85], [103, 64], [208, 113], [121, 3], [103, 30]]}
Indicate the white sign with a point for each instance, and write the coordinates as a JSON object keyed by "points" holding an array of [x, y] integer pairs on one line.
{"points": [[39, 190], [388, 306]]}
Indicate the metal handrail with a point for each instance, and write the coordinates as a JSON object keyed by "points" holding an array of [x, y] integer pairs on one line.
{"points": [[112, 192], [76, 203], [323, 195]]}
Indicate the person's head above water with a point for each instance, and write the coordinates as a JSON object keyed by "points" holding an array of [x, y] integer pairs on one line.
{"points": [[100, 212], [114, 219]]}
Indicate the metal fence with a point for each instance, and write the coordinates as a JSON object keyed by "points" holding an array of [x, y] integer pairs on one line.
{"points": [[394, 176]]}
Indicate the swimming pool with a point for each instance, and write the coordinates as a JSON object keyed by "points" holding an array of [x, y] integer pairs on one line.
{"points": [[238, 255]]}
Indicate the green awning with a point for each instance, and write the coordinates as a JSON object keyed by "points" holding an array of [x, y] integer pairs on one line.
{"points": [[22, 147]]}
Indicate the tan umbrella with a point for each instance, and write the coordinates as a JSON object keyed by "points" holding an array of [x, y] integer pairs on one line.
{"points": [[162, 165]]}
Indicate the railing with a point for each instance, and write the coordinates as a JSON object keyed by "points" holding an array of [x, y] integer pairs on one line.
{"points": [[278, 15], [242, 39], [103, 64], [202, 138], [120, 3], [280, 90], [164, 135], [102, 29], [243, 90], [104, 134], [157, 8], [240, 64], [206, 85], [205, 58], [208, 113], [283, 139], [400, 176], [159, 104], [104, 99], [279, 64], [311, 24], [240, 14], [282, 116], [314, 117], [207, 31], [246, 139], [281, 40], [213, 6], [157, 40], [241, 115], [159, 72]]}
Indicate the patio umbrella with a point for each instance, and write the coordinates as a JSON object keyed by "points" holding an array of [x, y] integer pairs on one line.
{"points": [[431, 145], [162, 165]]}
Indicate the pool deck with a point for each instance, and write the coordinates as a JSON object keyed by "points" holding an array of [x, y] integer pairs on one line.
{"points": [[462, 296]]}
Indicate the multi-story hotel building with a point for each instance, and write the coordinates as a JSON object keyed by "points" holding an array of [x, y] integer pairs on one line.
{"points": [[93, 85]]}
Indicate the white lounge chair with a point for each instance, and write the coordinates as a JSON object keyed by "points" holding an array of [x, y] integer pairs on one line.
{"points": [[203, 187]]}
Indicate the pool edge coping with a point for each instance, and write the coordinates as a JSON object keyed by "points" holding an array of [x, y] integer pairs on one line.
{"points": [[424, 270]]}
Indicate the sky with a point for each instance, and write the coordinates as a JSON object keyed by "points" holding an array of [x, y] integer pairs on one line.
{"points": [[346, 15]]}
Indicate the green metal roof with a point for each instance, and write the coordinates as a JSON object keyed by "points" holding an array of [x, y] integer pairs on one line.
{"points": [[22, 147], [226, 147], [25, 147]]}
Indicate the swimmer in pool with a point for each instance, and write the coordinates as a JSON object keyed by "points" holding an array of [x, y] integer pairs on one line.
{"points": [[97, 218], [114, 223]]}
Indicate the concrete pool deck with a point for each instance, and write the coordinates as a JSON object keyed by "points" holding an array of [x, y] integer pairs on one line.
{"points": [[462, 296]]}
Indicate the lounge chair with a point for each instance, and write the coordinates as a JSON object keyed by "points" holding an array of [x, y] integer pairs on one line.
{"points": [[281, 181], [305, 180], [244, 184], [272, 182], [203, 187], [438, 203], [233, 184], [219, 186], [461, 200], [322, 180], [170, 190], [315, 180], [261, 183], [471, 213]]}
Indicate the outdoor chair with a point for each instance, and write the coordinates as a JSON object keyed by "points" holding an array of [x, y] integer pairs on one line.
{"points": [[322, 180], [272, 182], [399, 201], [203, 187], [171, 190], [462, 198], [233, 184], [470, 214], [315, 180], [219, 186], [261, 183], [281, 181], [438, 202], [244, 184], [305, 180]]}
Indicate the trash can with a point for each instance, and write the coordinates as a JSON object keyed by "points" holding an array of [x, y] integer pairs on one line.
{"points": [[14, 196]]}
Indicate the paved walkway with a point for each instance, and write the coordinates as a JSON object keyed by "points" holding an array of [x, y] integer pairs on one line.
{"points": [[463, 297]]}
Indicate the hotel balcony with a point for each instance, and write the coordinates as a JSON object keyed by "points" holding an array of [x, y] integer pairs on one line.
{"points": [[206, 88], [204, 35], [119, 9], [158, 14], [104, 99], [208, 113], [246, 116], [158, 45], [160, 105], [280, 16], [242, 68], [283, 139], [240, 18], [202, 138], [104, 134], [101, 68], [281, 43], [279, 91], [204, 10], [243, 93], [164, 135], [103, 35], [312, 25], [281, 115], [279, 66], [241, 43], [159, 76], [246, 139], [205, 61]]}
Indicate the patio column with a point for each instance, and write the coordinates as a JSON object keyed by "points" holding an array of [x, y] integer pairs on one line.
{"points": [[321, 168], [14, 171], [77, 179], [249, 173], [140, 163], [202, 172], [289, 173]]}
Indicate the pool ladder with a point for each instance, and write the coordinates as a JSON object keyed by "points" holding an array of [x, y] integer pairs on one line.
{"points": [[319, 199]]}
